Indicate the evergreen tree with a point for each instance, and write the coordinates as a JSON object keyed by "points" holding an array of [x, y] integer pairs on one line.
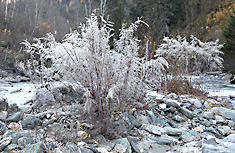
{"points": [[229, 46]]}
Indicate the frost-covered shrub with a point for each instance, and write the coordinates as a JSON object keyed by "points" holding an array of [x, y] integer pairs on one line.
{"points": [[111, 78], [188, 56], [38, 66]]}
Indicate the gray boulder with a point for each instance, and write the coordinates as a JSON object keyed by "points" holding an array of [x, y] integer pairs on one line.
{"points": [[35, 148], [16, 135], [30, 122], [15, 117], [44, 96]]}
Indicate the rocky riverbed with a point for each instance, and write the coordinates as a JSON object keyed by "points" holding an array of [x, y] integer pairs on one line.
{"points": [[52, 122]]}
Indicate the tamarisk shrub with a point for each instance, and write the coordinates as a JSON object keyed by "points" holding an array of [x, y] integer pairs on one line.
{"points": [[112, 78]]}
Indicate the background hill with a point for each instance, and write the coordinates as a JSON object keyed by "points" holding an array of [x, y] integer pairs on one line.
{"points": [[205, 19]]}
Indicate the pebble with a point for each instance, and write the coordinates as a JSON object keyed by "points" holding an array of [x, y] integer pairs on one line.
{"points": [[14, 126]]}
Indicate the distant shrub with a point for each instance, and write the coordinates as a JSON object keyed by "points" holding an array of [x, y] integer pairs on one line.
{"points": [[189, 56], [186, 57]]}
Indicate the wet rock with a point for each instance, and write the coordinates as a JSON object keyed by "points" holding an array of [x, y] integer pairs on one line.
{"points": [[225, 112], [178, 118], [15, 117], [123, 144], [3, 115], [35, 148], [173, 131], [3, 104], [14, 126], [4, 143], [186, 112], [3, 128], [16, 135], [156, 130], [30, 122]]}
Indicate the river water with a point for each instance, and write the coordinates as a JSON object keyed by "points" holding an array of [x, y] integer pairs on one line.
{"points": [[22, 92]]}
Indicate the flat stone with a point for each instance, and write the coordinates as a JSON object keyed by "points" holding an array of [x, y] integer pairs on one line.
{"points": [[156, 130], [178, 118], [162, 141], [186, 112], [173, 131], [225, 112], [171, 103]]}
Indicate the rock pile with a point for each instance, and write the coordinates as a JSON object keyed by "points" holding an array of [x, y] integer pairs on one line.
{"points": [[168, 123]]}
